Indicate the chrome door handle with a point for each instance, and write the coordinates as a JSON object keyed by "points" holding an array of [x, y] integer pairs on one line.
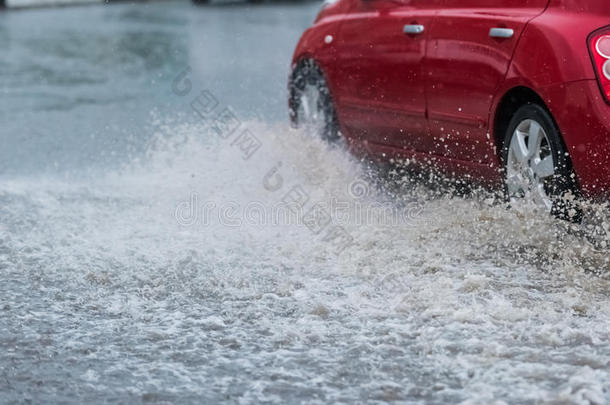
{"points": [[501, 33], [413, 29]]}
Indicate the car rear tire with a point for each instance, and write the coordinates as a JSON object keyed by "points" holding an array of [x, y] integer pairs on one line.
{"points": [[311, 104], [537, 166]]}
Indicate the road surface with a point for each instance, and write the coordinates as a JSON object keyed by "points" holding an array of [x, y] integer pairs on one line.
{"points": [[145, 256]]}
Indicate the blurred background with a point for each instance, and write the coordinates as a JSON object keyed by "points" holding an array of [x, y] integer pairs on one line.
{"points": [[81, 84]]}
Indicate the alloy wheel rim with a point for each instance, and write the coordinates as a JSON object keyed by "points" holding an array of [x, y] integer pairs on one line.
{"points": [[530, 165]]}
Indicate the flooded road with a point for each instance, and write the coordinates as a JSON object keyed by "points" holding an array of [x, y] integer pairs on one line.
{"points": [[145, 257]]}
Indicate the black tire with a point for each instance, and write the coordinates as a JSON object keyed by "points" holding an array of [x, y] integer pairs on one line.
{"points": [[200, 2], [561, 187], [308, 73]]}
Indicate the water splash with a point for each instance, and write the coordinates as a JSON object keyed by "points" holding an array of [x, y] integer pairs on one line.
{"points": [[464, 300]]}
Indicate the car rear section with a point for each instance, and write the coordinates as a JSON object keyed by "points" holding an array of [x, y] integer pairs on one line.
{"points": [[564, 57]]}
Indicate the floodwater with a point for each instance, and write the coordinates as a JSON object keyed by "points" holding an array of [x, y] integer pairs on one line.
{"points": [[145, 256]]}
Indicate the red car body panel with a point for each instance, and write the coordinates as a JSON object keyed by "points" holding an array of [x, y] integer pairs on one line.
{"points": [[436, 97], [381, 80], [459, 47]]}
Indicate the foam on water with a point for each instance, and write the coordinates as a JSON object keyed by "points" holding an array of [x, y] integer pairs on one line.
{"points": [[113, 288]]}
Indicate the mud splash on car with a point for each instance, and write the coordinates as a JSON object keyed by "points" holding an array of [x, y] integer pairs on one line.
{"points": [[179, 277]]}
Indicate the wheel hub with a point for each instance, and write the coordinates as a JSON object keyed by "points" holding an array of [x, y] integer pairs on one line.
{"points": [[530, 164]]}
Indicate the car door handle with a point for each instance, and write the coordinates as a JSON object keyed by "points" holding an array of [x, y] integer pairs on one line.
{"points": [[413, 29], [501, 33]]}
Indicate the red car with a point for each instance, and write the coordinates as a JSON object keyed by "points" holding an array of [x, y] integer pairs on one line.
{"points": [[513, 92]]}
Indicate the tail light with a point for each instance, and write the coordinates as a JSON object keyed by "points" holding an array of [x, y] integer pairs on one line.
{"points": [[599, 47]]}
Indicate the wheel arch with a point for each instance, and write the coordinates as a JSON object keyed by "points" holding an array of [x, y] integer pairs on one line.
{"points": [[508, 105]]}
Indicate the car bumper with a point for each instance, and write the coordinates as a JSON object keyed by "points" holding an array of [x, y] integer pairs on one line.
{"points": [[584, 120]]}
